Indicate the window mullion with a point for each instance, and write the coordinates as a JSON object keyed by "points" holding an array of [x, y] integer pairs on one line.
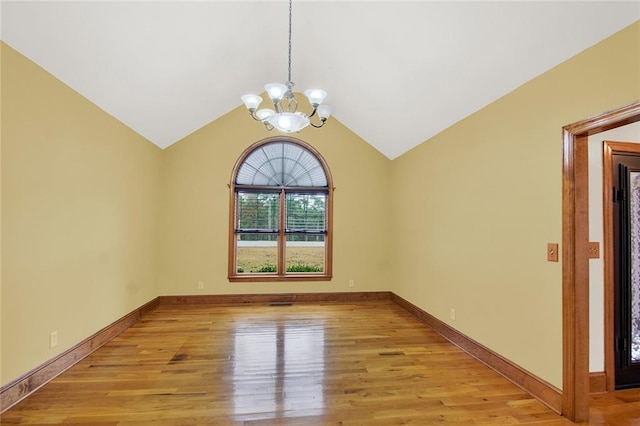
{"points": [[282, 238]]}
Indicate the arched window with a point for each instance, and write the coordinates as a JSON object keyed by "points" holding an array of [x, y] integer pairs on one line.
{"points": [[280, 213]]}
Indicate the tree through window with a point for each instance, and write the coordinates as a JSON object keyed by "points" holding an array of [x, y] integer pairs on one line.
{"points": [[280, 218]]}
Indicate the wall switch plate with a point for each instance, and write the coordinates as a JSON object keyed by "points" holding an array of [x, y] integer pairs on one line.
{"points": [[594, 250], [352, 283], [552, 252], [452, 313], [200, 285]]}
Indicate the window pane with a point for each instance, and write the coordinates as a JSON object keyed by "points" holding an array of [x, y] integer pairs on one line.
{"points": [[306, 212], [281, 164], [305, 253], [258, 210], [301, 168], [257, 253]]}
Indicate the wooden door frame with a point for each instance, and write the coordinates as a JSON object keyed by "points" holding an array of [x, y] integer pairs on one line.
{"points": [[575, 256], [609, 149]]}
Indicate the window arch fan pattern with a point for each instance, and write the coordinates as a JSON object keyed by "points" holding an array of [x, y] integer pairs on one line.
{"points": [[281, 213], [282, 164]]}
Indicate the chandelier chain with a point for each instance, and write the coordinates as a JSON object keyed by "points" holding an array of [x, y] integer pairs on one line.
{"points": [[290, 7]]}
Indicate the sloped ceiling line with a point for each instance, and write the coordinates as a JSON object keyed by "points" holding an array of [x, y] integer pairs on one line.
{"points": [[397, 72]]}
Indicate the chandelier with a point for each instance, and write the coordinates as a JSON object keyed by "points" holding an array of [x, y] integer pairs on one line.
{"points": [[285, 115]]}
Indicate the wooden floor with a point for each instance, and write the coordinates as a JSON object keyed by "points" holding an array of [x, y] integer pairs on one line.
{"points": [[307, 364]]}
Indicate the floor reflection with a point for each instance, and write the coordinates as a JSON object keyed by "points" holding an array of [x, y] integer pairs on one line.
{"points": [[278, 369]]}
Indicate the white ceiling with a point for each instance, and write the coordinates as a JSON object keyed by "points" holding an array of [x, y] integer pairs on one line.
{"points": [[397, 72]]}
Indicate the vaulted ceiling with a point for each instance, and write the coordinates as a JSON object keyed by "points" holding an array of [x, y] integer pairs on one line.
{"points": [[397, 72]]}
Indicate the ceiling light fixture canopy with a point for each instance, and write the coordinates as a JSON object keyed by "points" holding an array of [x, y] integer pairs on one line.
{"points": [[285, 115]]}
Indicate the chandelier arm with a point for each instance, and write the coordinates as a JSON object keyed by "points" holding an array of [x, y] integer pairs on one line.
{"points": [[253, 115], [322, 120], [292, 104], [319, 125]]}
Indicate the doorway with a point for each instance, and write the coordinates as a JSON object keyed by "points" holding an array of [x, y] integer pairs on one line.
{"points": [[575, 256], [622, 264]]}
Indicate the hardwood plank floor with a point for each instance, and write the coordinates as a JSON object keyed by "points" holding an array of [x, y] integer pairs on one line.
{"points": [[307, 364]]}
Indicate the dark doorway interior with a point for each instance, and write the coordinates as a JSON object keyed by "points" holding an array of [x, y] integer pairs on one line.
{"points": [[626, 227]]}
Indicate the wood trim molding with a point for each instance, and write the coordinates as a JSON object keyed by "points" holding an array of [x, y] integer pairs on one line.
{"points": [[608, 267], [575, 264], [597, 382], [543, 391], [15, 391], [575, 279], [242, 299]]}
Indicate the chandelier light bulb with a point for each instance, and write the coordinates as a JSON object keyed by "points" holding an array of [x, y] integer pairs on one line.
{"points": [[251, 101], [288, 122], [315, 96], [264, 113], [284, 123], [276, 91], [324, 112]]}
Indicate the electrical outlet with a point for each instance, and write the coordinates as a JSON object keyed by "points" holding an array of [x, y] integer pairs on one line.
{"points": [[453, 314], [352, 283], [200, 285], [53, 339]]}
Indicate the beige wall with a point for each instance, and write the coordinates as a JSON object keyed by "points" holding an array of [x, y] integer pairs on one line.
{"points": [[80, 196], [476, 205], [195, 209]]}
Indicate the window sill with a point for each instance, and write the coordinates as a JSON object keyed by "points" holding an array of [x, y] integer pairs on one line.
{"points": [[271, 278]]}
